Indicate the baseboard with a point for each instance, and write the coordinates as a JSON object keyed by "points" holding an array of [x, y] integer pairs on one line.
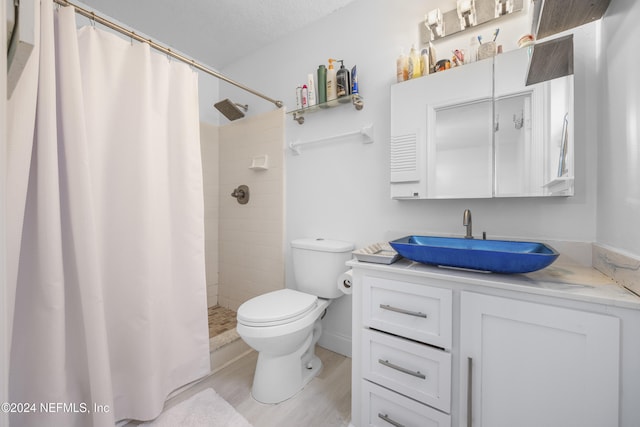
{"points": [[335, 342]]}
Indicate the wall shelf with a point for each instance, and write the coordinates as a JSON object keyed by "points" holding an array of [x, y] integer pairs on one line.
{"points": [[356, 100], [554, 58], [562, 185], [551, 59], [365, 132], [554, 16]]}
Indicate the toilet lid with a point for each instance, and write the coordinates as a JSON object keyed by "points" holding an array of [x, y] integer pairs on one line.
{"points": [[276, 308]]}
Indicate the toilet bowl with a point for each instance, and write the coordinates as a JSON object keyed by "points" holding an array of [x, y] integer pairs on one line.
{"points": [[285, 325], [285, 345]]}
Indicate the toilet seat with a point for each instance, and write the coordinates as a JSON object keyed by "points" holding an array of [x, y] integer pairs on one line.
{"points": [[276, 308]]}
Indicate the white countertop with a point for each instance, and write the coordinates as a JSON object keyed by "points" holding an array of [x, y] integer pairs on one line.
{"points": [[562, 279]]}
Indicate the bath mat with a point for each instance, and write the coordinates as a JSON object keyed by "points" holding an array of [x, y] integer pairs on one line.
{"points": [[205, 409]]}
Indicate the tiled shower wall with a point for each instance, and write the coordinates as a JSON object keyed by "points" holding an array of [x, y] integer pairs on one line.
{"points": [[210, 159], [251, 251]]}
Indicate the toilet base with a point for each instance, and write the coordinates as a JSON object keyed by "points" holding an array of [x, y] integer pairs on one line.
{"points": [[276, 379]]}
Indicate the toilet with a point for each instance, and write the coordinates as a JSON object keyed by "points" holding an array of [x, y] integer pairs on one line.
{"points": [[284, 326]]}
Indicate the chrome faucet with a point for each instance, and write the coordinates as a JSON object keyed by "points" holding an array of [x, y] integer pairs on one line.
{"points": [[466, 221]]}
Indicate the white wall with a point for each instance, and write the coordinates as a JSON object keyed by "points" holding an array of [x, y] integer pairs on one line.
{"points": [[340, 190], [619, 146]]}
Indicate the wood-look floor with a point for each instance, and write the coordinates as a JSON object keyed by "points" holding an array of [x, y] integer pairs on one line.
{"points": [[324, 402]]}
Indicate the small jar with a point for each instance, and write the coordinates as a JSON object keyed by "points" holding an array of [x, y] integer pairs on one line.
{"points": [[443, 64]]}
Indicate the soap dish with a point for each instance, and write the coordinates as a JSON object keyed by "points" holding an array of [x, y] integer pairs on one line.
{"points": [[379, 253]]}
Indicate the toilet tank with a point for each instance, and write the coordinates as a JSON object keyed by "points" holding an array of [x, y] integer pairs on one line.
{"points": [[317, 263]]}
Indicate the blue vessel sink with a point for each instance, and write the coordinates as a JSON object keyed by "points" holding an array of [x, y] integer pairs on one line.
{"points": [[498, 256]]}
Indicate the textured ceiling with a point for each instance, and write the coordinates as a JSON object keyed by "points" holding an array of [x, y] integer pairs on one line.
{"points": [[216, 32]]}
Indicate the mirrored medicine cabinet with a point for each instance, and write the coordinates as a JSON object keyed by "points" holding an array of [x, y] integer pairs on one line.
{"points": [[478, 131]]}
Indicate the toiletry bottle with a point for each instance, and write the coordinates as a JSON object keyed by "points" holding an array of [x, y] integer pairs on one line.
{"points": [[414, 63], [343, 82], [472, 54], [305, 96], [322, 84], [331, 81], [424, 62], [354, 80], [298, 97], [432, 58], [311, 99], [402, 67]]}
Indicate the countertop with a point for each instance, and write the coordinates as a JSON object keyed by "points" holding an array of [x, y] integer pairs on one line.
{"points": [[562, 279]]}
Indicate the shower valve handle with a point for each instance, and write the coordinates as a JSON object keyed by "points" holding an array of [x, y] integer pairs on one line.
{"points": [[241, 194]]}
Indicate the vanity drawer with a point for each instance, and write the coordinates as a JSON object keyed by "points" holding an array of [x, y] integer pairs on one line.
{"points": [[422, 313], [415, 370], [384, 408]]}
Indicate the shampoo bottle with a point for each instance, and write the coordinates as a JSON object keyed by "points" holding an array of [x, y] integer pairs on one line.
{"points": [[415, 70], [322, 84], [311, 99], [331, 81], [424, 62], [402, 67], [343, 82], [354, 81]]}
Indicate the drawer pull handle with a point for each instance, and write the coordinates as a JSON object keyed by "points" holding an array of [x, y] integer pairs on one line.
{"points": [[403, 311], [401, 369], [389, 420]]}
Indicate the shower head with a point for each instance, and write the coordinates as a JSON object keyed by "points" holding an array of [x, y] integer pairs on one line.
{"points": [[230, 109]]}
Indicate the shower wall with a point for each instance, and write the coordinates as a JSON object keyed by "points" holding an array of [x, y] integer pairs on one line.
{"points": [[251, 236], [209, 137]]}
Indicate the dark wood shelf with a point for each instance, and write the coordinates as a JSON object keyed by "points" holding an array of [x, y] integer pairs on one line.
{"points": [[551, 59]]}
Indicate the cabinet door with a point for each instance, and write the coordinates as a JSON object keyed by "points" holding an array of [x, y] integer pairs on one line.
{"points": [[530, 365], [441, 134]]}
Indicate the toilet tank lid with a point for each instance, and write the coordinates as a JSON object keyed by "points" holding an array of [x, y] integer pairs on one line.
{"points": [[323, 245]]}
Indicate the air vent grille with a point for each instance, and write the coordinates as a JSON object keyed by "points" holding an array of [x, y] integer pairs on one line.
{"points": [[404, 158]]}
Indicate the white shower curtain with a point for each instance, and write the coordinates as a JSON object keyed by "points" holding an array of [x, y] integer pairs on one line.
{"points": [[108, 242]]}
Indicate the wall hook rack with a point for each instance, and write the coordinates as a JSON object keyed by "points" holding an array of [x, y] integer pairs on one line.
{"points": [[366, 132]]}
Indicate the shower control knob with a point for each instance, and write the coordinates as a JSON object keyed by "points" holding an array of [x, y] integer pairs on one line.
{"points": [[241, 194]]}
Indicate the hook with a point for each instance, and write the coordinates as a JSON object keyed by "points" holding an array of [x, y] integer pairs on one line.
{"points": [[518, 122]]}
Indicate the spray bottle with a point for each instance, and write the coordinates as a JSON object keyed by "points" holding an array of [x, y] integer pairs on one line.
{"points": [[331, 81]]}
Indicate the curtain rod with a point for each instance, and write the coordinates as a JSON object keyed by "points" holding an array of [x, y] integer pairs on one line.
{"points": [[103, 21]]}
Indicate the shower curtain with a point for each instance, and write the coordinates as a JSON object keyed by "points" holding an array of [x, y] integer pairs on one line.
{"points": [[107, 243]]}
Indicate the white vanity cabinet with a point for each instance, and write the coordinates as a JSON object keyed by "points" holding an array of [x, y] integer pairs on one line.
{"points": [[531, 365], [433, 347], [405, 354]]}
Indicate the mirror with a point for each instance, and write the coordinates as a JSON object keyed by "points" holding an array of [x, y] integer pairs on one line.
{"points": [[478, 131], [533, 132]]}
